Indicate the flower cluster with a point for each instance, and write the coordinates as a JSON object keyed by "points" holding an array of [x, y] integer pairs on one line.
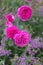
{"points": [[21, 37], [21, 43], [24, 60], [4, 52], [35, 46]]}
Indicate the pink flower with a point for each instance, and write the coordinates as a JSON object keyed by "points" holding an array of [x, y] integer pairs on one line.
{"points": [[10, 17], [11, 31], [28, 0], [22, 39], [9, 24], [25, 12]]}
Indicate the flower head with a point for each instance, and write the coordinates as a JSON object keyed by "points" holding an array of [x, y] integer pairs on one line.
{"points": [[9, 24], [22, 39], [11, 31], [10, 17], [27, 0], [25, 12]]}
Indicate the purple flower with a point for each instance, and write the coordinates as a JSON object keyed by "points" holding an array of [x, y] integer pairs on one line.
{"points": [[40, 11], [37, 43], [20, 60], [4, 52], [7, 52], [35, 46], [42, 33], [3, 44]]}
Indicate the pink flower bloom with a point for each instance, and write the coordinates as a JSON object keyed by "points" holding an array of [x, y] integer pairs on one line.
{"points": [[11, 31], [22, 39], [28, 0], [9, 24], [10, 17], [25, 12]]}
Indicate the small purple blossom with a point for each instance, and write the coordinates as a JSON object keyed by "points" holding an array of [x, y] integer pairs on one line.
{"points": [[42, 33], [35, 46], [4, 52], [40, 11]]}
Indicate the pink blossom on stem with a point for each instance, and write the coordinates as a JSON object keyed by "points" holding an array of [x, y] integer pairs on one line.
{"points": [[10, 17], [25, 12], [11, 31], [22, 39], [9, 24], [28, 0]]}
